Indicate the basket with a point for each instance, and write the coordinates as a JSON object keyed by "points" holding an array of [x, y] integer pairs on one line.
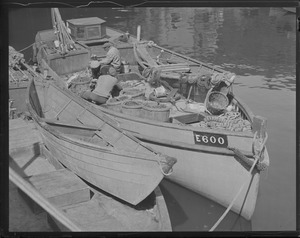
{"points": [[216, 102], [79, 84], [155, 111], [115, 104], [133, 93], [132, 107]]}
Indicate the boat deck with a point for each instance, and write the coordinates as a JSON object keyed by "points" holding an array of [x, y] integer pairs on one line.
{"points": [[87, 207]]}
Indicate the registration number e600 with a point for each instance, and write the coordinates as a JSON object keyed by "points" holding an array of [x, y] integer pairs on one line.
{"points": [[210, 139]]}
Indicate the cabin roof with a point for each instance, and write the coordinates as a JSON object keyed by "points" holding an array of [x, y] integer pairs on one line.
{"points": [[86, 21]]}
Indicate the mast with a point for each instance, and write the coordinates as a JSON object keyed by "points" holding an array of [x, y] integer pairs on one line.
{"points": [[64, 43]]}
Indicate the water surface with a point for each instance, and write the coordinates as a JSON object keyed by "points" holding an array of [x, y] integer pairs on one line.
{"points": [[259, 45]]}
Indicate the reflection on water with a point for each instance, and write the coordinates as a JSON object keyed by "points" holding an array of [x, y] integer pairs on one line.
{"points": [[258, 44], [247, 41]]}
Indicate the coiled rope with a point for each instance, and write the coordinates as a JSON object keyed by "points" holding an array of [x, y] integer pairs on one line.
{"points": [[231, 121]]}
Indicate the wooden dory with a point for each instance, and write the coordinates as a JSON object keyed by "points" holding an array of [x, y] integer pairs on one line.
{"points": [[103, 155], [213, 169], [65, 197]]}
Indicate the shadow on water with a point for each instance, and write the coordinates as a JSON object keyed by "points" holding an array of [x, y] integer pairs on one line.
{"points": [[191, 212]]}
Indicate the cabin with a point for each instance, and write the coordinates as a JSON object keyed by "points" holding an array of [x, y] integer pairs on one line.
{"points": [[87, 29], [45, 50]]}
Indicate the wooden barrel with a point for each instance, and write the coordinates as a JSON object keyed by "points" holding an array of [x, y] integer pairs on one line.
{"points": [[132, 107]]}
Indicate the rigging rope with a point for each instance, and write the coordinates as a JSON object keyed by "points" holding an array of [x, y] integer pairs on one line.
{"points": [[26, 47]]}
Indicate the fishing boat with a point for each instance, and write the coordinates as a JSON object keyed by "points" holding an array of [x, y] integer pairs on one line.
{"points": [[41, 184], [216, 143], [19, 76], [103, 154]]}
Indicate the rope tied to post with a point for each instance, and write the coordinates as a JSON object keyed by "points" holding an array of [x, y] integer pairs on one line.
{"points": [[165, 163], [257, 156]]}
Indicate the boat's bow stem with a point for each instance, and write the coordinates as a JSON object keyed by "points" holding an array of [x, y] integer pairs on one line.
{"points": [[234, 199], [259, 147]]}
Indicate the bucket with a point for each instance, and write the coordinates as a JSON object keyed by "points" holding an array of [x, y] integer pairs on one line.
{"points": [[115, 104], [216, 102], [155, 111], [132, 108]]}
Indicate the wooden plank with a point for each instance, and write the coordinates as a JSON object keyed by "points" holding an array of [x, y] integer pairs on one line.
{"points": [[119, 141], [21, 217], [61, 187], [33, 206], [18, 143], [30, 165], [164, 217], [32, 193], [50, 158], [22, 134], [18, 123], [186, 119], [92, 217]]}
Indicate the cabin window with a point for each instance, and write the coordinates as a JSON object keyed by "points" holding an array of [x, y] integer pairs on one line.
{"points": [[93, 32], [80, 32]]}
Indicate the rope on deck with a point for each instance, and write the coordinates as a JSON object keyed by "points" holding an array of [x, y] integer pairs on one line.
{"points": [[40, 200]]}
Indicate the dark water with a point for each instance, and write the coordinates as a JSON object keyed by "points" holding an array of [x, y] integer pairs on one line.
{"points": [[259, 45]]}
